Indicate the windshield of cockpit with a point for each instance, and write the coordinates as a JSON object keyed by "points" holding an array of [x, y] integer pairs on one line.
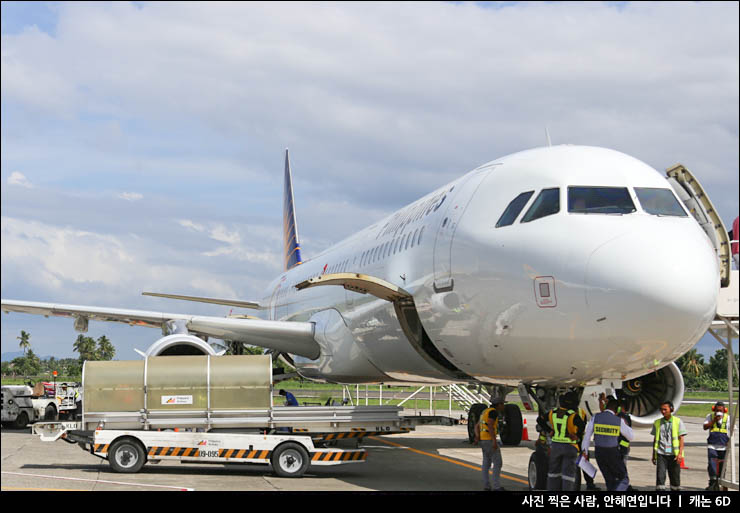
{"points": [[599, 200]]}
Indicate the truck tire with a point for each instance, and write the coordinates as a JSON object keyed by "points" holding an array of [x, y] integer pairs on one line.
{"points": [[537, 472], [290, 460], [50, 413], [126, 456], [473, 418], [511, 430], [21, 420]]}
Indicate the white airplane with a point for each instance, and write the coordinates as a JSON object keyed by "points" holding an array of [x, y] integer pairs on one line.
{"points": [[553, 269]]}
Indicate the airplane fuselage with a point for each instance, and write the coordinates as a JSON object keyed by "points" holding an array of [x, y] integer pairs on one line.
{"points": [[567, 297]]}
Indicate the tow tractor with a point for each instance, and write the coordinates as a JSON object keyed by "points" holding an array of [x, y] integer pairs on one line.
{"points": [[213, 409]]}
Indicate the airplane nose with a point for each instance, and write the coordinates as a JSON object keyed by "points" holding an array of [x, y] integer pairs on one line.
{"points": [[656, 287]]}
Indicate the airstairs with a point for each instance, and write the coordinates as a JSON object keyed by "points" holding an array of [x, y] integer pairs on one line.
{"points": [[467, 395]]}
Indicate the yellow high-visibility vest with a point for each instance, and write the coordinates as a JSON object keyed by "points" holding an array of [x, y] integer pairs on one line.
{"points": [[675, 421]]}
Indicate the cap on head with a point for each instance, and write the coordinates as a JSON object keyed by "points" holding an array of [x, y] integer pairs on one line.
{"points": [[719, 403]]}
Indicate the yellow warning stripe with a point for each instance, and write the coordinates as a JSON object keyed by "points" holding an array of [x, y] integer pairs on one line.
{"points": [[340, 456], [101, 448], [356, 433], [186, 452]]}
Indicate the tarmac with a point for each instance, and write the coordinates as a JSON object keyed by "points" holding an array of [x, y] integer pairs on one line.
{"points": [[431, 458]]}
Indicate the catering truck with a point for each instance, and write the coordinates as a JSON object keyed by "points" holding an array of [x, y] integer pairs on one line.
{"points": [[212, 409]]}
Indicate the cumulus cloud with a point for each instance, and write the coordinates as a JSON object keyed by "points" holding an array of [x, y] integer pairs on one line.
{"points": [[191, 106], [131, 196], [17, 178]]}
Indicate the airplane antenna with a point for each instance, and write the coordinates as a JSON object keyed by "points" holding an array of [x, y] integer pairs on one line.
{"points": [[547, 133]]}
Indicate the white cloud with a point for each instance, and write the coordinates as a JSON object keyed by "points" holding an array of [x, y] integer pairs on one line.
{"points": [[191, 105], [17, 178], [187, 223], [131, 196]]}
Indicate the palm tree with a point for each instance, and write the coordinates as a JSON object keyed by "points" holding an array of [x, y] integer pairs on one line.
{"points": [[86, 347], [106, 351], [25, 341], [692, 363]]}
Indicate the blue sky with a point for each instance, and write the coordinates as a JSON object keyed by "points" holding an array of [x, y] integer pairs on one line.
{"points": [[142, 142]]}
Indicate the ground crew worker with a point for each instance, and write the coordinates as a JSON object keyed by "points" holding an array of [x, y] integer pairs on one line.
{"points": [[542, 452], [485, 434], [606, 427], [290, 399], [669, 432], [717, 423], [590, 485], [624, 444], [565, 423], [78, 403]]}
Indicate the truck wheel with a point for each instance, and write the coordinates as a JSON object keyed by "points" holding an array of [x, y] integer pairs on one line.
{"points": [[126, 456], [290, 460], [50, 414], [532, 472], [21, 420], [473, 418], [537, 470], [511, 431]]}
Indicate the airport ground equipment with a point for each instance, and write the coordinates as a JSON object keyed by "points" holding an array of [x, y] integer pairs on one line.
{"points": [[24, 404], [212, 409]]}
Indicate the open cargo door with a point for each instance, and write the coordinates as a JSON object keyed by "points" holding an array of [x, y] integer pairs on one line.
{"points": [[691, 193], [361, 283]]}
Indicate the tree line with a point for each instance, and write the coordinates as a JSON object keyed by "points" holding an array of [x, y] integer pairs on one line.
{"points": [[88, 348], [697, 373], [701, 375], [31, 365]]}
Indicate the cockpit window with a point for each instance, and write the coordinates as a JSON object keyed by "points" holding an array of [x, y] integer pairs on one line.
{"points": [[600, 200], [546, 204], [659, 202], [512, 211]]}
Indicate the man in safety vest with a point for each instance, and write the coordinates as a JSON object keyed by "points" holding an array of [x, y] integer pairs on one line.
{"points": [[485, 434], [567, 426], [624, 444], [717, 423], [669, 432], [78, 403], [606, 428]]}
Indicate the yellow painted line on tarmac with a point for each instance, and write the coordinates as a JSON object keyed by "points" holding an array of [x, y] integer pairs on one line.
{"points": [[448, 460]]}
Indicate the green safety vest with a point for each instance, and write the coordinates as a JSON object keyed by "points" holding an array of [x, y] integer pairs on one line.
{"points": [[622, 440], [674, 433], [559, 419]]}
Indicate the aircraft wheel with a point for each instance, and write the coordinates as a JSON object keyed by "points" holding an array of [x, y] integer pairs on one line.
{"points": [[473, 417], [511, 431]]}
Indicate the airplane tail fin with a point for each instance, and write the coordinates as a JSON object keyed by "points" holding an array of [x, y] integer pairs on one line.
{"points": [[291, 248]]}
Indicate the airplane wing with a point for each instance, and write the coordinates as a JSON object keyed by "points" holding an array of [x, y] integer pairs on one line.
{"points": [[290, 337]]}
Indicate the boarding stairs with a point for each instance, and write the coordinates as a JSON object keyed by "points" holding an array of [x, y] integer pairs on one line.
{"points": [[467, 395]]}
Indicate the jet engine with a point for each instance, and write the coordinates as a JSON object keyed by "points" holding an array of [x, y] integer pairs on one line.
{"points": [[644, 394], [180, 344]]}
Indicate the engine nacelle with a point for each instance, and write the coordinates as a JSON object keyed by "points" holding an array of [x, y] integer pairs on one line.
{"points": [[643, 394], [180, 344]]}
